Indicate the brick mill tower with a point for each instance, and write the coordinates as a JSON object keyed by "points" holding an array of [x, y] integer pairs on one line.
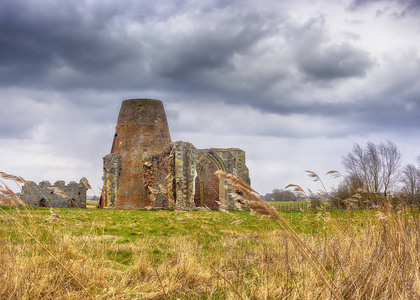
{"points": [[142, 130]]}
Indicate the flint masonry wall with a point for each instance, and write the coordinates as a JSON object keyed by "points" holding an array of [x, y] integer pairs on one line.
{"points": [[159, 179], [111, 178], [42, 195], [146, 170]]}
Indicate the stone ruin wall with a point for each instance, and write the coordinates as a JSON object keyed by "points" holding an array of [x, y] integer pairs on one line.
{"points": [[146, 170], [171, 177], [159, 179], [42, 195], [185, 156], [111, 179], [176, 178]]}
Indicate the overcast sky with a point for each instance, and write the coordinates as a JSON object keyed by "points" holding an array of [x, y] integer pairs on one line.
{"points": [[293, 83]]}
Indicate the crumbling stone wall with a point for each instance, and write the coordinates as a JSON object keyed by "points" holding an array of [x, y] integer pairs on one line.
{"points": [[111, 178], [172, 182], [185, 156], [169, 177], [43, 195], [158, 179]]}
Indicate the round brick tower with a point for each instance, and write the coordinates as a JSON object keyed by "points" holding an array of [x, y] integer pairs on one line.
{"points": [[142, 129]]}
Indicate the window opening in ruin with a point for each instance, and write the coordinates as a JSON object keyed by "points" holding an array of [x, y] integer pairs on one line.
{"points": [[195, 177], [206, 184], [42, 203]]}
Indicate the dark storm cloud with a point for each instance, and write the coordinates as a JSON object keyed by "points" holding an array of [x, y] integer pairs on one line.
{"points": [[205, 50], [408, 6], [185, 51], [318, 59], [334, 62], [164, 46], [39, 38], [389, 101], [62, 45]]}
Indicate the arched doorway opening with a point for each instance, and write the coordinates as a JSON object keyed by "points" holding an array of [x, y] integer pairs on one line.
{"points": [[208, 188], [42, 203]]}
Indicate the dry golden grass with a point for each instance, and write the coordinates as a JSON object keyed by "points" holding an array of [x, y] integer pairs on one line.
{"points": [[379, 262], [7, 201], [377, 258]]}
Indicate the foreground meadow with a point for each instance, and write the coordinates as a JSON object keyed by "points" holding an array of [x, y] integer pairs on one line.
{"points": [[110, 254]]}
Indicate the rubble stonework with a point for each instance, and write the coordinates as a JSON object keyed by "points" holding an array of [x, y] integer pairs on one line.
{"points": [[112, 169], [43, 194], [149, 171]]}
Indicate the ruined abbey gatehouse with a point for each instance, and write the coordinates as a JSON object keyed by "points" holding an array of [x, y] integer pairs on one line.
{"points": [[145, 169]]}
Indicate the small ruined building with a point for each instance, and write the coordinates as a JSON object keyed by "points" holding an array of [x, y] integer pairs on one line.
{"points": [[58, 195], [146, 170]]}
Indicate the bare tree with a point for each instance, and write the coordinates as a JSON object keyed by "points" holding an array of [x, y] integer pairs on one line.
{"points": [[375, 168], [411, 181], [391, 162], [348, 187]]}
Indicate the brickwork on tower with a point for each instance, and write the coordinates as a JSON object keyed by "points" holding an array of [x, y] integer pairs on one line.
{"points": [[142, 129], [146, 170]]}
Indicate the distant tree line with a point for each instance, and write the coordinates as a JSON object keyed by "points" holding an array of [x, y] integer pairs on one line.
{"points": [[373, 174], [282, 195]]}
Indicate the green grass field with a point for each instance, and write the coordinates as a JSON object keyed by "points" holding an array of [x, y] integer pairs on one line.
{"points": [[116, 254], [129, 225]]}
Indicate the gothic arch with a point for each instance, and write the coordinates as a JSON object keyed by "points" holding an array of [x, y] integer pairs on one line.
{"points": [[208, 187], [215, 159]]}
